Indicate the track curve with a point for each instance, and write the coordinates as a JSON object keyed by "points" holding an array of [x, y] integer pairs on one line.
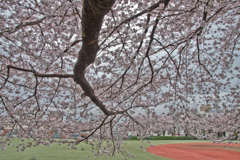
{"points": [[197, 151]]}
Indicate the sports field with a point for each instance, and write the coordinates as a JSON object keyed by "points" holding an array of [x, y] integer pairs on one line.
{"points": [[56, 152]]}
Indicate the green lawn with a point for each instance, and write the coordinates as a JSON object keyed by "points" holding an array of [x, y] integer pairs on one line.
{"points": [[56, 152]]}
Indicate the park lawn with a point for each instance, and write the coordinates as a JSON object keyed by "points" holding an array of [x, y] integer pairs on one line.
{"points": [[56, 152]]}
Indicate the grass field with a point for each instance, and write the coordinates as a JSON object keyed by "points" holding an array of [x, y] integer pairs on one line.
{"points": [[56, 152]]}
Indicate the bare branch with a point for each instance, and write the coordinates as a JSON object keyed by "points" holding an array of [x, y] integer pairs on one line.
{"points": [[21, 25], [151, 8], [74, 43], [94, 130], [41, 75]]}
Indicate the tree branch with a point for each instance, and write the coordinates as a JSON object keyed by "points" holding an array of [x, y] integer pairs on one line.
{"points": [[39, 74], [92, 19], [94, 130], [21, 25], [154, 6]]}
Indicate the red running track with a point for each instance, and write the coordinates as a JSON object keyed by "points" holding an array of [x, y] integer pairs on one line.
{"points": [[197, 151]]}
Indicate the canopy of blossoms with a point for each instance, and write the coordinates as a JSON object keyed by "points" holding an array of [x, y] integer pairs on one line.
{"points": [[73, 66]]}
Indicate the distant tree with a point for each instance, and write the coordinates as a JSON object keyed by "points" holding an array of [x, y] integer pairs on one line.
{"points": [[99, 62]]}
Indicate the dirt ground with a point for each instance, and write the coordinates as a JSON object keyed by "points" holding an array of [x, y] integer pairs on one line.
{"points": [[197, 151]]}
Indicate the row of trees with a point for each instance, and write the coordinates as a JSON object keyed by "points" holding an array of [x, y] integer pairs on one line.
{"points": [[100, 62], [217, 127]]}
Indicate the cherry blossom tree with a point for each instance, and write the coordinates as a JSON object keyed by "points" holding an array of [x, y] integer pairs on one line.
{"points": [[87, 65]]}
